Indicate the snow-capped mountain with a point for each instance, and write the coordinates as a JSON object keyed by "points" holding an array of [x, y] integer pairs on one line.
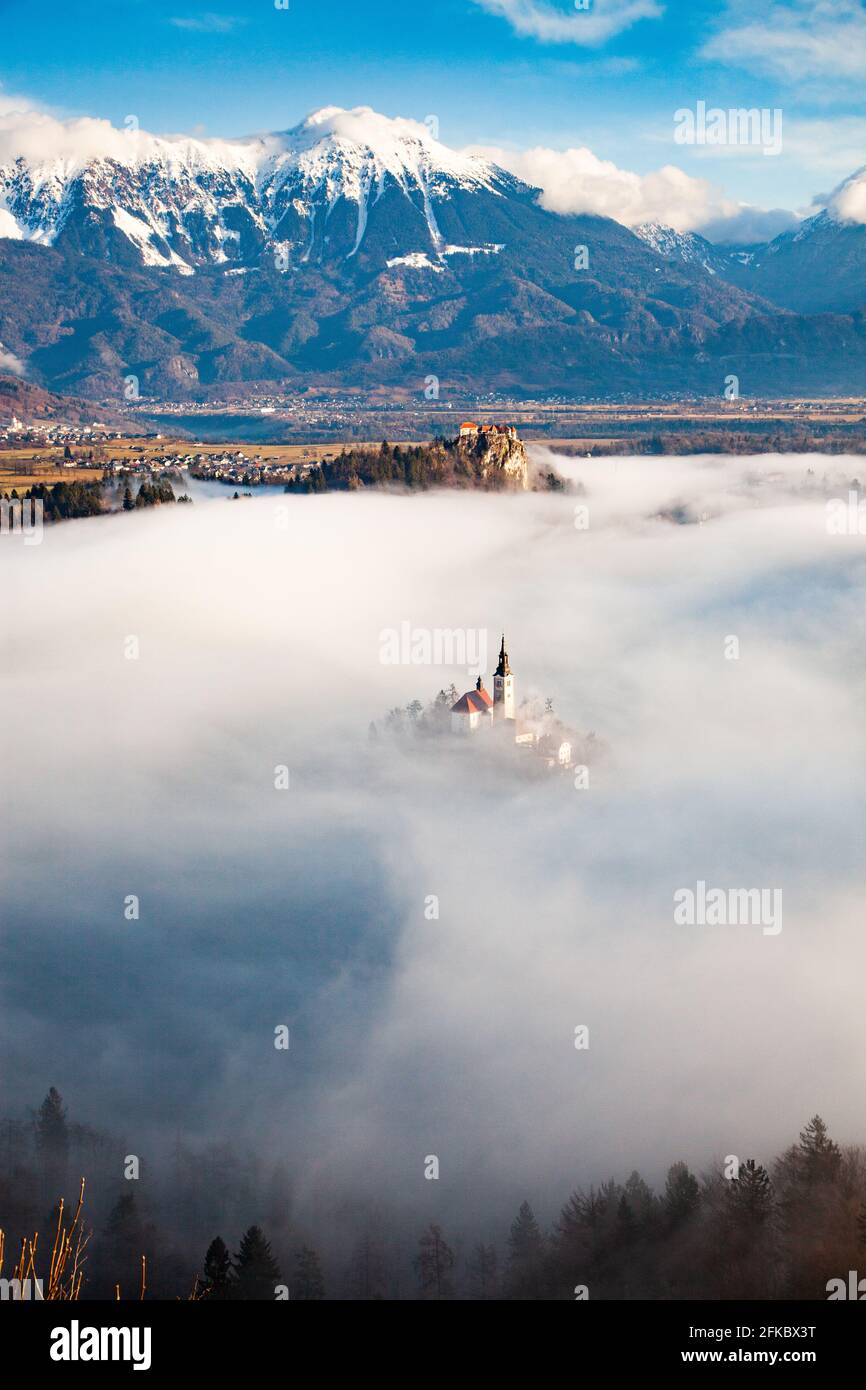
{"points": [[732, 263], [315, 193], [357, 249], [818, 267]]}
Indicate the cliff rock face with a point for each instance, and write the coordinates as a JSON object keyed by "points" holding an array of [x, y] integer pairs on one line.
{"points": [[499, 460]]}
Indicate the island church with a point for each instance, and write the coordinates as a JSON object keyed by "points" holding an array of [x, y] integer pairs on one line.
{"points": [[477, 710], [534, 732]]}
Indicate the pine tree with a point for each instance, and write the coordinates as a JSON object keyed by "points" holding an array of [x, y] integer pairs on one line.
{"points": [[582, 1212], [626, 1221], [640, 1198], [483, 1272], [750, 1194], [124, 1241], [434, 1263], [52, 1135], [128, 504], [682, 1194], [743, 1234], [525, 1254], [256, 1271], [52, 1143], [818, 1156], [525, 1241], [309, 1284], [218, 1277], [367, 1270]]}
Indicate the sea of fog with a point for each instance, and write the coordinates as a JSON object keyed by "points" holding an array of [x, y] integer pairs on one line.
{"points": [[158, 667]]}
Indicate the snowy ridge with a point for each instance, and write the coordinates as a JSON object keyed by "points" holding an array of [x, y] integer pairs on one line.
{"points": [[183, 202], [683, 246]]}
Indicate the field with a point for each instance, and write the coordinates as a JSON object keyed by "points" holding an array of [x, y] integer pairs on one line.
{"points": [[40, 471]]}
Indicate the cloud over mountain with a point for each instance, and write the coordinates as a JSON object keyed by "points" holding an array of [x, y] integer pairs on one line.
{"points": [[848, 201], [577, 181]]}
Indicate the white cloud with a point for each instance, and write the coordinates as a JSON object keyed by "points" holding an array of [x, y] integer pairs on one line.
{"points": [[848, 201], [576, 181], [39, 136], [207, 23], [9, 103], [799, 41], [453, 1036], [587, 28], [833, 145], [749, 225], [10, 363]]}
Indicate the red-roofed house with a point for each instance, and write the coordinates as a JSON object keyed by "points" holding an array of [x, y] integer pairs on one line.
{"points": [[474, 710]]}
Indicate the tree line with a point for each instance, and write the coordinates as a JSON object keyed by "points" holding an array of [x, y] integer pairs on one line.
{"points": [[66, 501], [440, 463], [742, 1230]]}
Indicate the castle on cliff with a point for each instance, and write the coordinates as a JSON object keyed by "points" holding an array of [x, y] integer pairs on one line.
{"points": [[469, 430]]}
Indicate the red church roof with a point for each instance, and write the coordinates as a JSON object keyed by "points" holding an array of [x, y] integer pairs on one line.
{"points": [[473, 702]]}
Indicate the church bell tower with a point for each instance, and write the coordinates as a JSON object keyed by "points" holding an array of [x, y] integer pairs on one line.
{"points": [[503, 686]]}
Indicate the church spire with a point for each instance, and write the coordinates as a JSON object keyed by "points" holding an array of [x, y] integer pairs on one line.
{"points": [[503, 669]]}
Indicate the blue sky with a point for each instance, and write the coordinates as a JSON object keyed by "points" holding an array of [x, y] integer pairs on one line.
{"points": [[505, 73]]}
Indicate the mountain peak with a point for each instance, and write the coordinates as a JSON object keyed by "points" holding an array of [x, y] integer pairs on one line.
{"points": [[361, 145], [360, 123], [362, 126]]}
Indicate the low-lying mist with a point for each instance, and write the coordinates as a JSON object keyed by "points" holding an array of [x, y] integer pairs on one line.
{"points": [[159, 668]]}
